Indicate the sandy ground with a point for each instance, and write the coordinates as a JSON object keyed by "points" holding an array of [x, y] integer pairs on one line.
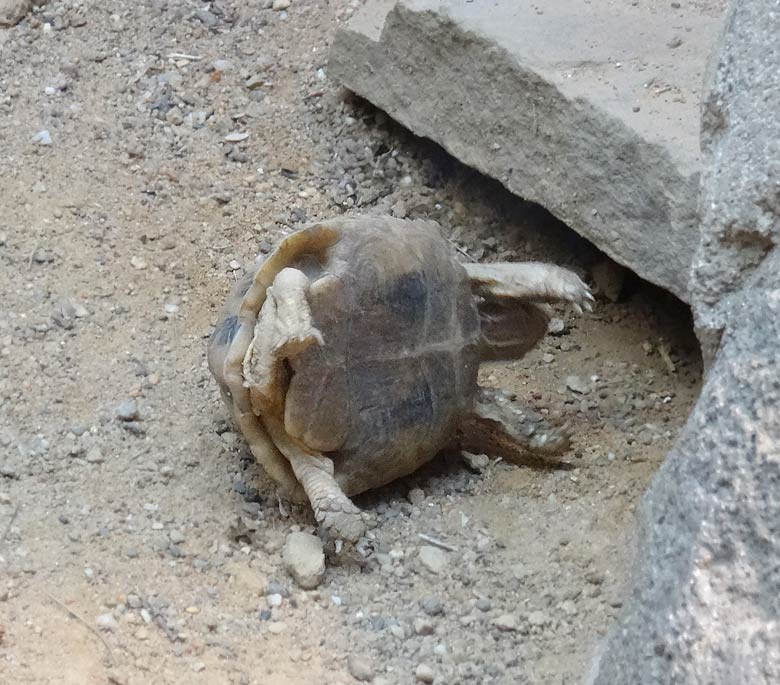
{"points": [[122, 559]]}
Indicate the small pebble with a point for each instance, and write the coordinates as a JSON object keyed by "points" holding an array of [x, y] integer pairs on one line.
{"points": [[505, 623], [305, 559], [416, 496], [42, 138], [176, 537], [556, 326], [107, 622], [127, 411], [94, 455], [424, 673], [476, 462], [484, 604], [577, 385], [433, 558], [422, 626], [432, 606], [360, 668]]}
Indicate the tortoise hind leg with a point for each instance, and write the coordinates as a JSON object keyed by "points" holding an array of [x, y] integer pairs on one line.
{"points": [[333, 510], [507, 429]]}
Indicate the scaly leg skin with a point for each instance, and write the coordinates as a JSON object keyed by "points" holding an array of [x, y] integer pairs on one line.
{"points": [[283, 330], [503, 428], [530, 281], [333, 510]]}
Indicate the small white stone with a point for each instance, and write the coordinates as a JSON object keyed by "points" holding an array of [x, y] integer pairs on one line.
{"points": [[505, 623], [107, 622], [433, 558], [305, 559], [424, 674], [42, 138]]}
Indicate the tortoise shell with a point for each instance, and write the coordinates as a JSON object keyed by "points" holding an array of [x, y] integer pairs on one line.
{"points": [[398, 364]]}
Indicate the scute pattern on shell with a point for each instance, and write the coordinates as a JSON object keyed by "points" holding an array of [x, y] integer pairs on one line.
{"points": [[398, 366]]}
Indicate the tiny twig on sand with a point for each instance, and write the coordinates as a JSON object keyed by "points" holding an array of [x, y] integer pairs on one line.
{"points": [[76, 617], [462, 251], [181, 55], [665, 353], [32, 254], [436, 542], [10, 523]]}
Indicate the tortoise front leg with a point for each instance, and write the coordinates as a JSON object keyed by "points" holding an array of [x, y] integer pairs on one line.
{"points": [[529, 281], [500, 427]]}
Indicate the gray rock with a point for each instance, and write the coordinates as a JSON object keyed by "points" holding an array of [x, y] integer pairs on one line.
{"points": [[42, 137], [424, 673], [563, 127], [484, 604], [576, 384], [222, 65], [127, 411], [556, 326], [360, 668], [433, 558], [304, 558], [107, 622], [476, 462], [422, 626], [505, 623], [416, 496], [707, 589], [95, 455], [176, 536], [432, 606]]}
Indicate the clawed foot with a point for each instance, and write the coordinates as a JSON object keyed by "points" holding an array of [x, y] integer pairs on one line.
{"points": [[340, 519], [569, 287]]}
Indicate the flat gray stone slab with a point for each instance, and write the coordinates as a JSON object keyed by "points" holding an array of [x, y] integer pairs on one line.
{"points": [[590, 109]]}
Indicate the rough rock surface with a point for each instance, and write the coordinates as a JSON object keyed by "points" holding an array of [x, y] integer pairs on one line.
{"points": [[591, 112], [707, 591]]}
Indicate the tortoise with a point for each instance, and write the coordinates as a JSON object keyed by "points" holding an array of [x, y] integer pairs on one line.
{"points": [[348, 357]]}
